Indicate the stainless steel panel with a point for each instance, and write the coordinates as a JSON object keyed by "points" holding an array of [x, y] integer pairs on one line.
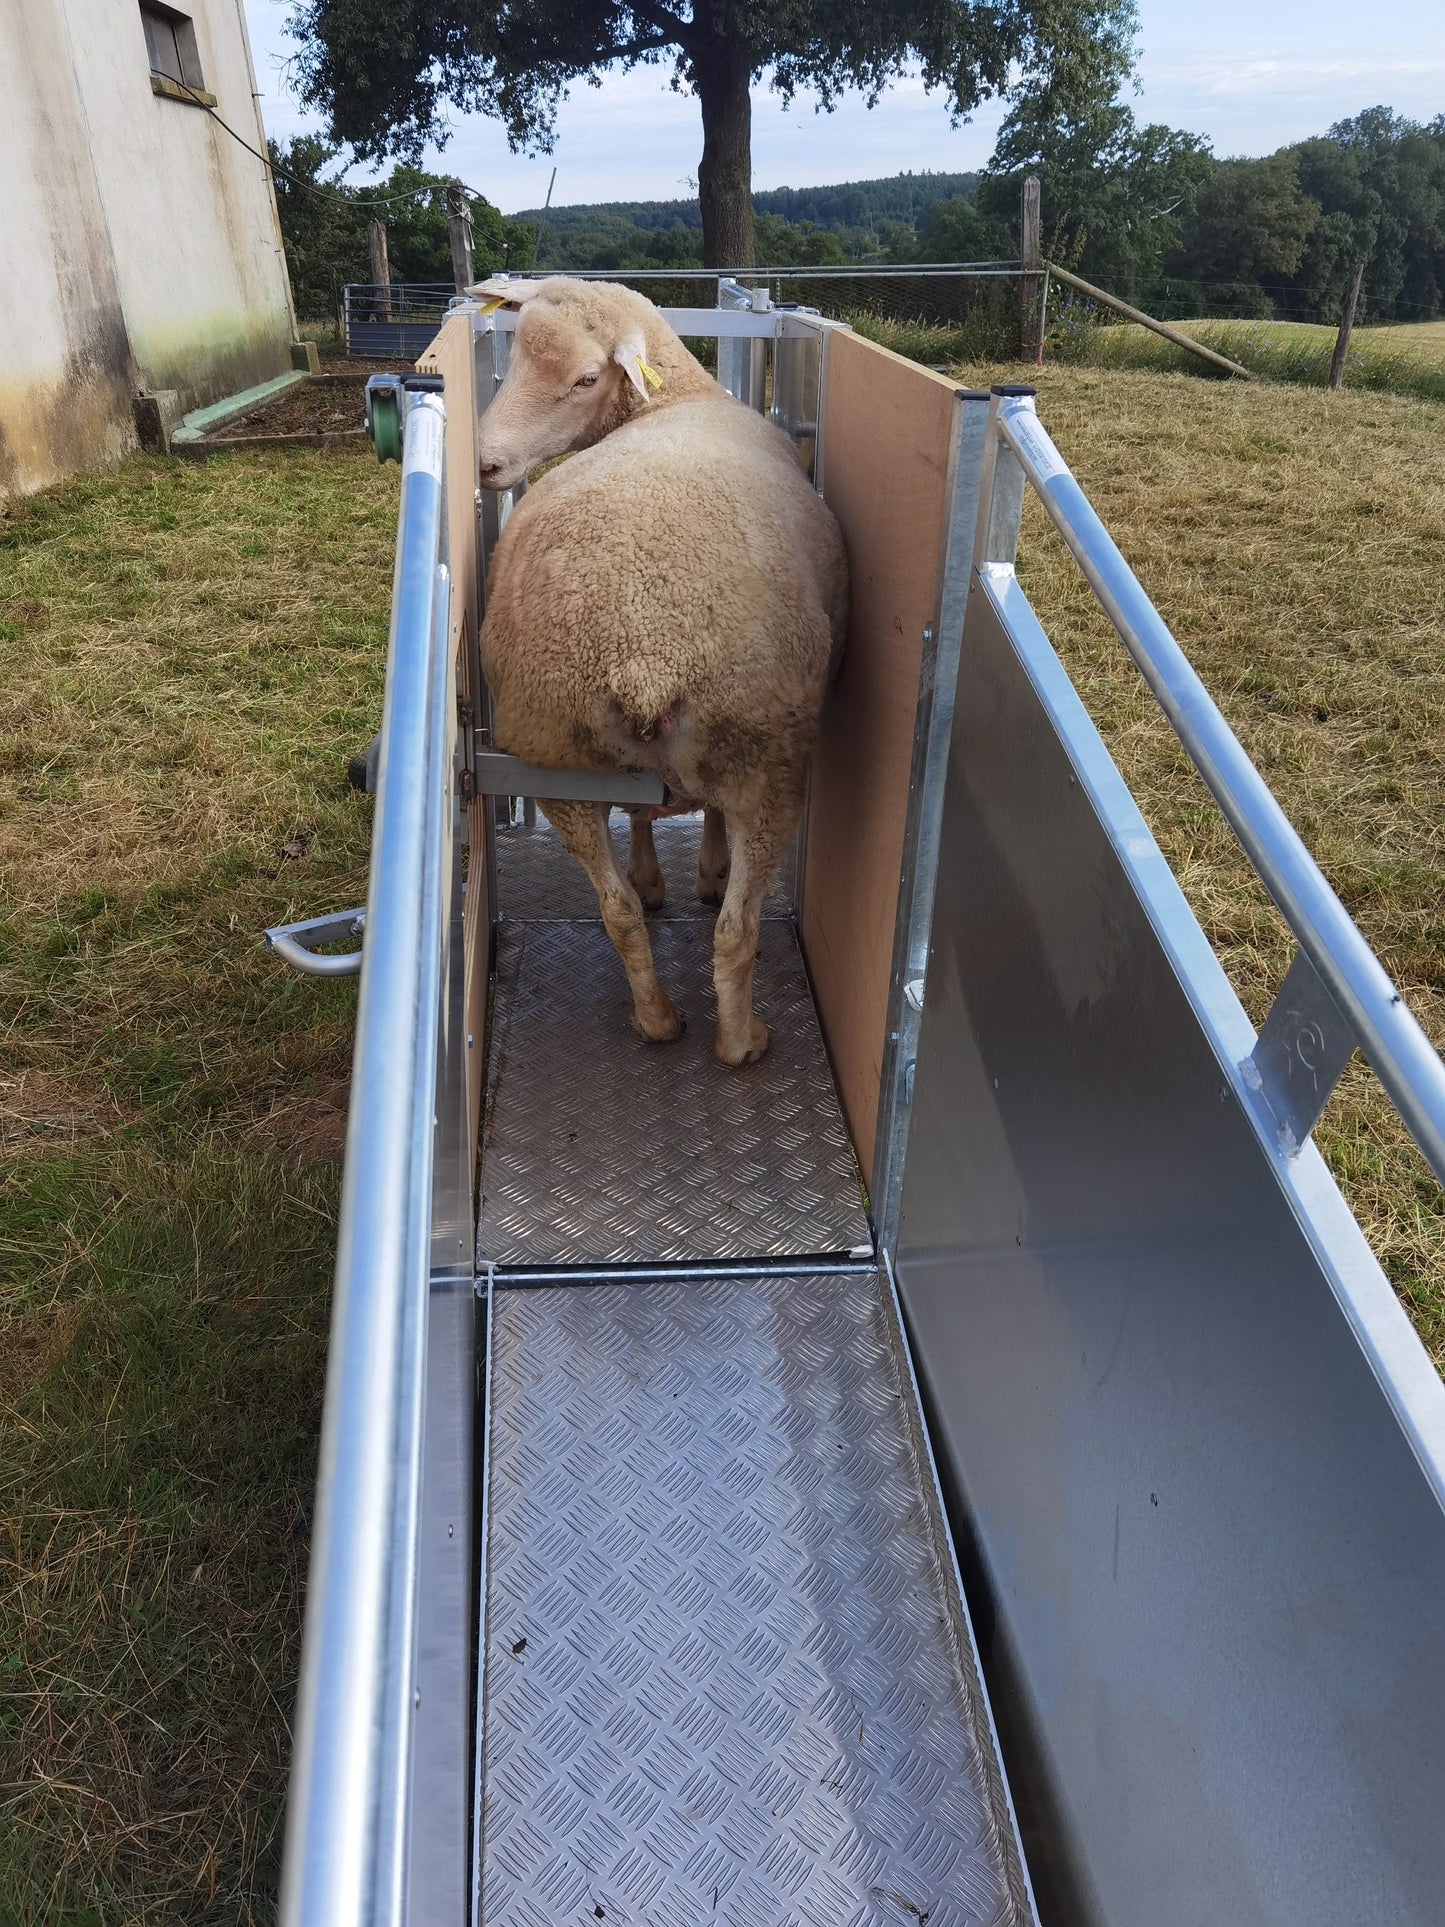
{"points": [[537, 880], [1193, 1441], [721, 1673], [600, 1148]]}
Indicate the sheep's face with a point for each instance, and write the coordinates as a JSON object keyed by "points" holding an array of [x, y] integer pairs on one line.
{"points": [[568, 384]]}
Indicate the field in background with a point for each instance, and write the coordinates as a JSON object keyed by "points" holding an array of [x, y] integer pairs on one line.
{"points": [[191, 652], [1403, 359]]}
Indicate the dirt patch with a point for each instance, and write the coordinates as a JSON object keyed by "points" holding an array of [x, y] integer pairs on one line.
{"points": [[308, 1125], [33, 1343], [38, 1109], [328, 407], [364, 365]]}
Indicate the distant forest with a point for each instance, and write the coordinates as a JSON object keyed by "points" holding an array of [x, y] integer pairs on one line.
{"points": [[848, 221]]}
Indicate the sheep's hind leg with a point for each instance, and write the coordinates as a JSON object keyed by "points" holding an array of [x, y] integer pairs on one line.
{"points": [[583, 828], [644, 872], [756, 853], [712, 857]]}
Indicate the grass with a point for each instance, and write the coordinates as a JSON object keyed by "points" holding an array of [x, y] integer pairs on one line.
{"points": [[191, 650], [1402, 360], [1294, 542]]}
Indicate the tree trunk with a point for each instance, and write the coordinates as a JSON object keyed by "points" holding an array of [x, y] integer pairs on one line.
{"points": [[722, 70], [1347, 322], [380, 269]]}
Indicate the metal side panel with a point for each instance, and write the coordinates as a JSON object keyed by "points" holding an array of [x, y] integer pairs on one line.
{"points": [[1186, 1423], [539, 882], [602, 1149], [723, 1677]]}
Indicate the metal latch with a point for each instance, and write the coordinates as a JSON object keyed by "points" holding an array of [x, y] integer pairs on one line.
{"points": [[296, 943]]}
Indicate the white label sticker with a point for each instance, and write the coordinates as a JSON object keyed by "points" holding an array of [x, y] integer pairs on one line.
{"points": [[1046, 459]]}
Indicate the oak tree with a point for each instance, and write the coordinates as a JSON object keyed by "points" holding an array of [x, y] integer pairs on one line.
{"points": [[384, 71]]}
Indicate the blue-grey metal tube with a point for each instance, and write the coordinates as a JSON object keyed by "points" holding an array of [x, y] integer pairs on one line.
{"points": [[344, 1849], [1388, 1034]]}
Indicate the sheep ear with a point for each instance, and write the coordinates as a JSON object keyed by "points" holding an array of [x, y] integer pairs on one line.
{"points": [[630, 354], [502, 291]]}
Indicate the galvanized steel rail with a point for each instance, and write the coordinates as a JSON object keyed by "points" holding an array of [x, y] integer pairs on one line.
{"points": [[1373, 1009], [345, 1838]]}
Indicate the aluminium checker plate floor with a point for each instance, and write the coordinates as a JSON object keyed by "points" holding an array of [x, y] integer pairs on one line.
{"points": [[599, 1148], [725, 1675]]}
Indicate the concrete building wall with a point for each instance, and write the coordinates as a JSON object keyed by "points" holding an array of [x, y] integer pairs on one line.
{"points": [[138, 241]]}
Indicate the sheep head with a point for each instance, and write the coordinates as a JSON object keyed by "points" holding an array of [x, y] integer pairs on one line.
{"points": [[581, 365]]}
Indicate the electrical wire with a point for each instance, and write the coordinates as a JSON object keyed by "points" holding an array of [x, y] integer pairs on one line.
{"points": [[322, 190]]}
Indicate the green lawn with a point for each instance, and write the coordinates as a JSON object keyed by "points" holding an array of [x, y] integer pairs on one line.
{"points": [[190, 650], [1405, 359]]}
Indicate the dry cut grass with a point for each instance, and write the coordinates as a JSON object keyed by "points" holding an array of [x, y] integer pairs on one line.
{"points": [[1295, 543], [190, 651]]}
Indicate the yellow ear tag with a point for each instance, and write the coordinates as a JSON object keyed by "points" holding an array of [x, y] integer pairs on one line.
{"points": [[490, 307], [649, 372]]}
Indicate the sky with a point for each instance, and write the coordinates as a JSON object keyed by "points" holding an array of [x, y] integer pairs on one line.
{"points": [[1249, 77]]}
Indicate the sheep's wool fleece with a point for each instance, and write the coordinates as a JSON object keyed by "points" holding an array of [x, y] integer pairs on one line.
{"points": [[674, 598]]}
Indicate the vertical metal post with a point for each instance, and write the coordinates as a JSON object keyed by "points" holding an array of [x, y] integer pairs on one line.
{"points": [[1001, 485], [933, 728]]}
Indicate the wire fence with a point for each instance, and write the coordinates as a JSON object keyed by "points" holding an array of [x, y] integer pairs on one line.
{"points": [[398, 318], [943, 312]]}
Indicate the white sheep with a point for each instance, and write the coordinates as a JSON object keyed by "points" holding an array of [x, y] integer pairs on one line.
{"points": [[674, 598]]}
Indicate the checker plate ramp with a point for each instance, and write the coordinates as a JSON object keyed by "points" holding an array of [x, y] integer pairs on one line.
{"points": [[601, 1149], [537, 880], [725, 1673]]}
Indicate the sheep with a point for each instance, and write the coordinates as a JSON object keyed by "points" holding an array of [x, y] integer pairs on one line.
{"points": [[673, 598]]}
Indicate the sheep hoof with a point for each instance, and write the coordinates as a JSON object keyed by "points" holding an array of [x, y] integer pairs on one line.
{"points": [[745, 1050], [712, 885], [664, 1024], [651, 890]]}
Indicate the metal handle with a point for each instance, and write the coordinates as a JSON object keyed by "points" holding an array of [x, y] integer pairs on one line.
{"points": [[291, 945]]}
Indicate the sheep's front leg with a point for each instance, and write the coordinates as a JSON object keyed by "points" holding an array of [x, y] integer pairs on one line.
{"points": [[712, 857], [644, 872], [757, 850], [583, 828]]}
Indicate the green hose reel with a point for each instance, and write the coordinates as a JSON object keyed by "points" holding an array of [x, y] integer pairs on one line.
{"points": [[383, 416], [386, 427]]}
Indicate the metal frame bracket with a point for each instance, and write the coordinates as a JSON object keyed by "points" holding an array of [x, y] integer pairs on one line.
{"points": [[296, 943], [1300, 1053]]}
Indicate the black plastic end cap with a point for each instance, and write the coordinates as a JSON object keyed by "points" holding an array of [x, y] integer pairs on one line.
{"points": [[1010, 388], [971, 394]]}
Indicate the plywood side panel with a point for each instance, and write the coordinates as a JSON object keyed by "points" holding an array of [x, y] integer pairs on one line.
{"points": [[887, 428], [450, 356]]}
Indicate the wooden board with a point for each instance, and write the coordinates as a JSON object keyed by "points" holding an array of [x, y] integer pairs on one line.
{"points": [[450, 356], [887, 426]]}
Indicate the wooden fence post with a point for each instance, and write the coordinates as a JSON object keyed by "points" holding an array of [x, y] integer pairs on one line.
{"points": [[380, 269], [459, 228], [1347, 322], [1031, 279]]}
